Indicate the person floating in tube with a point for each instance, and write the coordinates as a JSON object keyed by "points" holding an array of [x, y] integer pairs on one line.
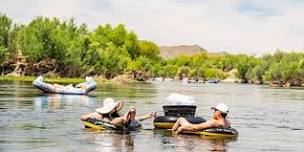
{"points": [[110, 113], [218, 121]]}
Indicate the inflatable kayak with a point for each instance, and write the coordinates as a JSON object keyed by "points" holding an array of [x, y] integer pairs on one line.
{"points": [[167, 122], [215, 133], [80, 89], [103, 125]]}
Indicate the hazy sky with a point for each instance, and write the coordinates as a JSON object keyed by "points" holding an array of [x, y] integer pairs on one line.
{"points": [[236, 26]]}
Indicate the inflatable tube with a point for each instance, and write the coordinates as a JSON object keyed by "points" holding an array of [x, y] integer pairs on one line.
{"points": [[103, 125], [167, 122], [179, 110], [192, 81], [49, 88], [213, 81], [215, 133]]}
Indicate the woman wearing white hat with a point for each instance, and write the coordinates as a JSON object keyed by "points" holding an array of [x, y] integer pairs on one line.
{"points": [[110, 113], [218, 121]]}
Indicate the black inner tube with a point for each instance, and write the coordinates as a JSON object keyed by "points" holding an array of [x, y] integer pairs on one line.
{"points": [[172, 119], [222, 130], [133, 125]]}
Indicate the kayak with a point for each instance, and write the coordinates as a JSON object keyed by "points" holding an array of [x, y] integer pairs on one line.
{"points": [[103, 125], [215, 133], [85, 88]]}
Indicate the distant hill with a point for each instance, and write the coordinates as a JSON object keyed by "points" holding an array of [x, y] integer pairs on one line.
{"points": [[174, 51]]}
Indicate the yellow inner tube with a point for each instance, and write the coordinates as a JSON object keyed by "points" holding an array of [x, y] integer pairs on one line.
{"points": [[90, 125], [163, 125], [210, 134], [102, 125], [216, 133], [166, 125]]}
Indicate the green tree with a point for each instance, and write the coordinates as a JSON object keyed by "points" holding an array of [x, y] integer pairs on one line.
{"points": [[5, 26], [245, 65], [149, 50], [183, 71], [113, 61]]}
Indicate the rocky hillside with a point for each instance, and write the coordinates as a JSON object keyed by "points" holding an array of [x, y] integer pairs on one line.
{"points": [[174, 51]]}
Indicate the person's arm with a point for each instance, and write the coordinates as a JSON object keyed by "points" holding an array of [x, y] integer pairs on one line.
{"points": [[145, 117], [196, 127], [93, 115]]}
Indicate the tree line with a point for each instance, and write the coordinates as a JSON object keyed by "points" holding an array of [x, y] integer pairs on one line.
{"points": [[72, 50]]}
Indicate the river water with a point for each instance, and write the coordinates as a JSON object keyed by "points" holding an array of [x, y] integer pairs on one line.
{"points": [[267, 119]]}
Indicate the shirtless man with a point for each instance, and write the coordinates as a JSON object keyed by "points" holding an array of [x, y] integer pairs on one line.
{"points": [[218, 121]]}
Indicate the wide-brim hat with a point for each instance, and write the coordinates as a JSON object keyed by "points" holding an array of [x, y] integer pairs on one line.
{"points": [[108, 105]]}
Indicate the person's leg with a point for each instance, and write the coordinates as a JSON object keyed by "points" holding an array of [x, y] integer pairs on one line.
{"points": [[129, 116], [181, 121], [93, 115], [132, 114]]}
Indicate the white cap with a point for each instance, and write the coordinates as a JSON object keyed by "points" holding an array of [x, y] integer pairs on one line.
{"points": [[222, 107], [108, 105]]}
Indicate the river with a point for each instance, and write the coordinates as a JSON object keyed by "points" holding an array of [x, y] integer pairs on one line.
{"points": [[267, 119]]}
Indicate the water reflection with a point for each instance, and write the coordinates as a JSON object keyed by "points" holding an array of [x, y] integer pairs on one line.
{"points": [[108, 141], [149, 140], [170, 142], [56, 101], [128, 90]]}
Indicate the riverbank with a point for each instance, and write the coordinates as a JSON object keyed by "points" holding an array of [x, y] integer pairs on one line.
{"points": [[61, 80]]}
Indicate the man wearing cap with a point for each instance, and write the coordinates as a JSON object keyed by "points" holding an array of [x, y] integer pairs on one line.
{"points": [[218, 121]]}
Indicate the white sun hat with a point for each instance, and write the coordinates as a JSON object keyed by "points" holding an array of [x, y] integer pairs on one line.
{"points": [[108, 105], [222, 107]]}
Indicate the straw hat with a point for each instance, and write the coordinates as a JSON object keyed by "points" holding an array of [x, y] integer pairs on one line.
{"points": [[108, 105]]}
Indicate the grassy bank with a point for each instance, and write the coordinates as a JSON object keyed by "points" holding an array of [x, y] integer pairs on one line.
{"points": [[99, 80], [49, 80]]}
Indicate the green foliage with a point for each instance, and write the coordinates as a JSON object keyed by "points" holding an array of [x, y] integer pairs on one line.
{"points": [[2, 54], [5, 26], [106, 51], [110, 51], [51, 38], [149, 49], [170, 71], [142, 64], [245, 66], [183, 71], [196, 72], [113, 60], [288, 68]]}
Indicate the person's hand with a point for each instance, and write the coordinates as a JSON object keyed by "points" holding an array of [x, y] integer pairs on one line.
{"points": [[119, 105], [152, 114], [179, 130], [132, 109], [173, 132]]}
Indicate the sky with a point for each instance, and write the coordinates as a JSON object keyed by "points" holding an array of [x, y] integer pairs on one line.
{"points": [[237, 26]]}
